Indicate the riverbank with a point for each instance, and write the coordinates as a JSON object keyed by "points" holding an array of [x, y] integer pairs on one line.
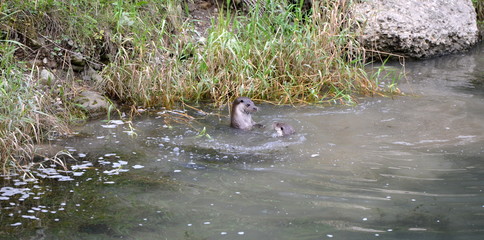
{"points": [[159, 54], [383, 169], [153, 54]]}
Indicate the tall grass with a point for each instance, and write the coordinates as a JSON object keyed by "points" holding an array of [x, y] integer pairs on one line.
{"points": [[152, 55], [282, 56], [479, 6], [279, 54], [24, 112], [149, 43]]}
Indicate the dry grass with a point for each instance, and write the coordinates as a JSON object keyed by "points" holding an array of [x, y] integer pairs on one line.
{"points": [[479, 5], [281, 55], [150, 59], [24, 113]]}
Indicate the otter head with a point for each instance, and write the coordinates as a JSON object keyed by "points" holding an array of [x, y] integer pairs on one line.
{"points": [[241, 117], [283, 129]]}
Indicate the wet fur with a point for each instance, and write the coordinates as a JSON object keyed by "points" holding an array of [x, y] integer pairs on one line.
{"points": [[241, 114], [283, 129]]}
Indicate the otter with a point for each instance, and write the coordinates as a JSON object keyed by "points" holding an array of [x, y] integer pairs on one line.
{"points": [[241, 117], [283, 129]]}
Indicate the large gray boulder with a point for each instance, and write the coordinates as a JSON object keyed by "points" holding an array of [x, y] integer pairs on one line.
{"points": [[417, 28]]}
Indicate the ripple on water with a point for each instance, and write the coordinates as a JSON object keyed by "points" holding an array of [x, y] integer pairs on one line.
{"points": [[251, 144]]}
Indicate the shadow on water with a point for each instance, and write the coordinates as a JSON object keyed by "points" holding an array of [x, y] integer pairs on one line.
{"points": [[405, 168]]}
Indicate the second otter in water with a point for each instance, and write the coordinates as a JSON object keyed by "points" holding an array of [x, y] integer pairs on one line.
{"points": [[283, 129], [241, 117]]}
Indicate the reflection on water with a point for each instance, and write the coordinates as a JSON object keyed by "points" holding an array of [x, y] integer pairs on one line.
{"points": [[405, 168]]}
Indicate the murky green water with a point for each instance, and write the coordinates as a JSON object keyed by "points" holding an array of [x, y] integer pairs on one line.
{"points": [[405, 168]]}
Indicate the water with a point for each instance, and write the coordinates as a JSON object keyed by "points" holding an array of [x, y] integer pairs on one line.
{"points": [[411, 167]]}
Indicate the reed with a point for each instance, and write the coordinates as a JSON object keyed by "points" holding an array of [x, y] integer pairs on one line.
{"points": [[25, 112], [280, 54], [152, 55], [479, 6]]}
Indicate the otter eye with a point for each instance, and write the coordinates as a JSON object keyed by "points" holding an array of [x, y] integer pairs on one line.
{"points": [[282, 129], [248, 104], [241, 100]]}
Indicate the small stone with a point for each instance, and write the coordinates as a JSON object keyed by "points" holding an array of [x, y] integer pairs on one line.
{"points": [[52, 64], [205, 5], [46, 77], [96, 77], [34, 63], [77, 68], [78, 60]]}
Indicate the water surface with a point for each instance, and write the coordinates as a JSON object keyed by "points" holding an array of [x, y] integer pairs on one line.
{"points": [[409, 167]]}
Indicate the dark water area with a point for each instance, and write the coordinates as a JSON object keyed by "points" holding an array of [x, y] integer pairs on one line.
{"points": [[408, 167]]}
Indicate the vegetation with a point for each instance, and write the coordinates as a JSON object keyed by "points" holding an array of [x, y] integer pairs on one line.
{"points": [[279, 55], [150, 54], [26, 113], [479, 5]]}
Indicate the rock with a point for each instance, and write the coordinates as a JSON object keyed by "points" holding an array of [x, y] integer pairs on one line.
{"points": [[78, 60], [71, 43], [204, 5], [34, 63], [77, 68], [52, 64], [91, 75], [415, 28], [86, 77], [45, 150], [96, 77], [96, 66], [46, 77], [94, 103], [37, 43]]}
